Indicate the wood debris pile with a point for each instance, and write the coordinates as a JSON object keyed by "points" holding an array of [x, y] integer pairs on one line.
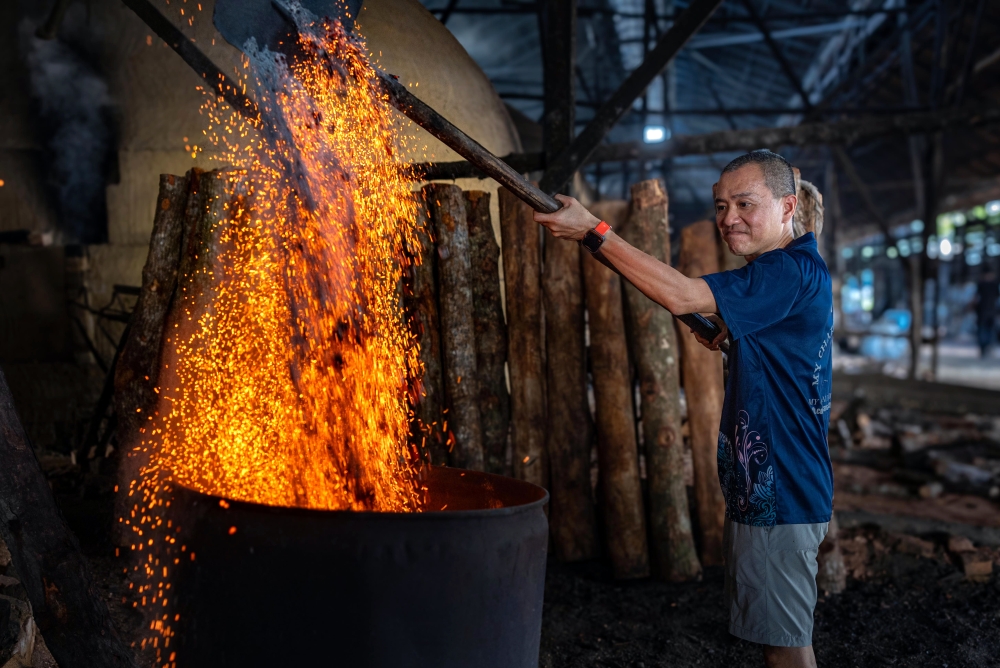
{"points": [[870, 552], [925, 454]]}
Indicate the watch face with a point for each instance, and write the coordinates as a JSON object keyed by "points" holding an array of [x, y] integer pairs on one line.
{"points": [[592, 241]]}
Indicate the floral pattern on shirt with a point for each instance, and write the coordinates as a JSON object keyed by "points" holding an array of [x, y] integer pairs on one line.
{"points": [[747, 485]]}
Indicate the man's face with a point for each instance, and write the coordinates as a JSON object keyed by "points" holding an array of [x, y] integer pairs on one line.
{"points": [[751, 219]]}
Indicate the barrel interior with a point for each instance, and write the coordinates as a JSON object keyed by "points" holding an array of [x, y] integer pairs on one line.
{"points": [[451, 489]]}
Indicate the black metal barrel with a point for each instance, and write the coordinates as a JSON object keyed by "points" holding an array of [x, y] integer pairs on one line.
{"points": [[458, 586]]}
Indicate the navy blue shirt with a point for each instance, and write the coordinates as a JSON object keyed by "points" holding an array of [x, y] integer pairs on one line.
{"points": [[774, 460]]}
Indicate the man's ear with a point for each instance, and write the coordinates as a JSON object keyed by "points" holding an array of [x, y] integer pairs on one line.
{"points": [[715, 189], [788, 204]]}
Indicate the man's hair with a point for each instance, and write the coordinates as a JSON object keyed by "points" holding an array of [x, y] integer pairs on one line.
{"points": [[778, 175]]}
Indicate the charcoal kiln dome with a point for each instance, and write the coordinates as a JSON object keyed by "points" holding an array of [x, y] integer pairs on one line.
{"points": [[459, 585]]}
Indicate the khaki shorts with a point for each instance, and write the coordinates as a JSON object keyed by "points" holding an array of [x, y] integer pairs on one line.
{"points": [[771, 581]]}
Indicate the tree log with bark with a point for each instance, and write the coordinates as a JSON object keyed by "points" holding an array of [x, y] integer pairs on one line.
{"points": [[657, 359], [617, 451], [449, 213], [137, 368], [138, 365], [703, 387], [491, 333], [809, 210], [520, 236], [421, 304], [571, 518]]}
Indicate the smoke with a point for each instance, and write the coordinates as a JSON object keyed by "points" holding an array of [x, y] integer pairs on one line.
{"points": [[75, 115]]}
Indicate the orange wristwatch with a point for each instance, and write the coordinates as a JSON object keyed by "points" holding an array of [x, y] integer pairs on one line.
{"points": [[593, 239]]}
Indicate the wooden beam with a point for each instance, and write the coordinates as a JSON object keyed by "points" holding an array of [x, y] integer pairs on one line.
{"points": [[687, 24], [719, 111], [836, 133], [810, 15]]}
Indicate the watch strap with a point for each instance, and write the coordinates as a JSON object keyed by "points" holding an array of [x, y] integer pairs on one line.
{"points": [[594, 238]]}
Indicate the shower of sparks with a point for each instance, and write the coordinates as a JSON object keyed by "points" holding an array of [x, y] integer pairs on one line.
{"points": [[285, 374], [290, 388]]}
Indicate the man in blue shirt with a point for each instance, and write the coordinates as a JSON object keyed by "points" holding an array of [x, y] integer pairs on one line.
{"points": [[774, 462]]}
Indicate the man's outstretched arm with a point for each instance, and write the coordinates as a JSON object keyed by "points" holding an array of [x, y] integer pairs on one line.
{"points": [[660, 282]]}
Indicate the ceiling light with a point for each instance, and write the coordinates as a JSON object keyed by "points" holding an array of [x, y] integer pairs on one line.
{"points": [[654, 134]]}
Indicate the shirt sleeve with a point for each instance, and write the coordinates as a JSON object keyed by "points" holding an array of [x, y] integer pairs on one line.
{"points": [[758, 295]]}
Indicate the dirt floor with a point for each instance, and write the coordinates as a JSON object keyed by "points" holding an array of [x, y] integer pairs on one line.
{"points": [[907, 611]]}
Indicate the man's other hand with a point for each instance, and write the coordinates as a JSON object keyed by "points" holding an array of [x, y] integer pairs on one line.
{"points": [[572, 221], [720, 337]]}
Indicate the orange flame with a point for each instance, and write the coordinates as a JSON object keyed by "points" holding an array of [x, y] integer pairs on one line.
{"points": [[287, 385]]}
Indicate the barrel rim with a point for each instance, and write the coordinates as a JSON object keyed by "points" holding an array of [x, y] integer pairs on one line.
{"points": [[252, 506]]}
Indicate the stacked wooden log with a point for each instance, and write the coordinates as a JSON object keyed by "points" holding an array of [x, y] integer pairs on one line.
{"points": [[420, 298], [522, 263], [617, 453], [704, 391], [809, 211], [449, 216], [657, 359], [461, 405], [569, 434]]}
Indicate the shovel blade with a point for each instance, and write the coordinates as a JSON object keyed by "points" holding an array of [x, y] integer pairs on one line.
{"points": [[239, 20]]}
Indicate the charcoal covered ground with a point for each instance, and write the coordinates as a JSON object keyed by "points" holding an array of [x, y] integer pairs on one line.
{"points": [[899, 609], [910, 611]]}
